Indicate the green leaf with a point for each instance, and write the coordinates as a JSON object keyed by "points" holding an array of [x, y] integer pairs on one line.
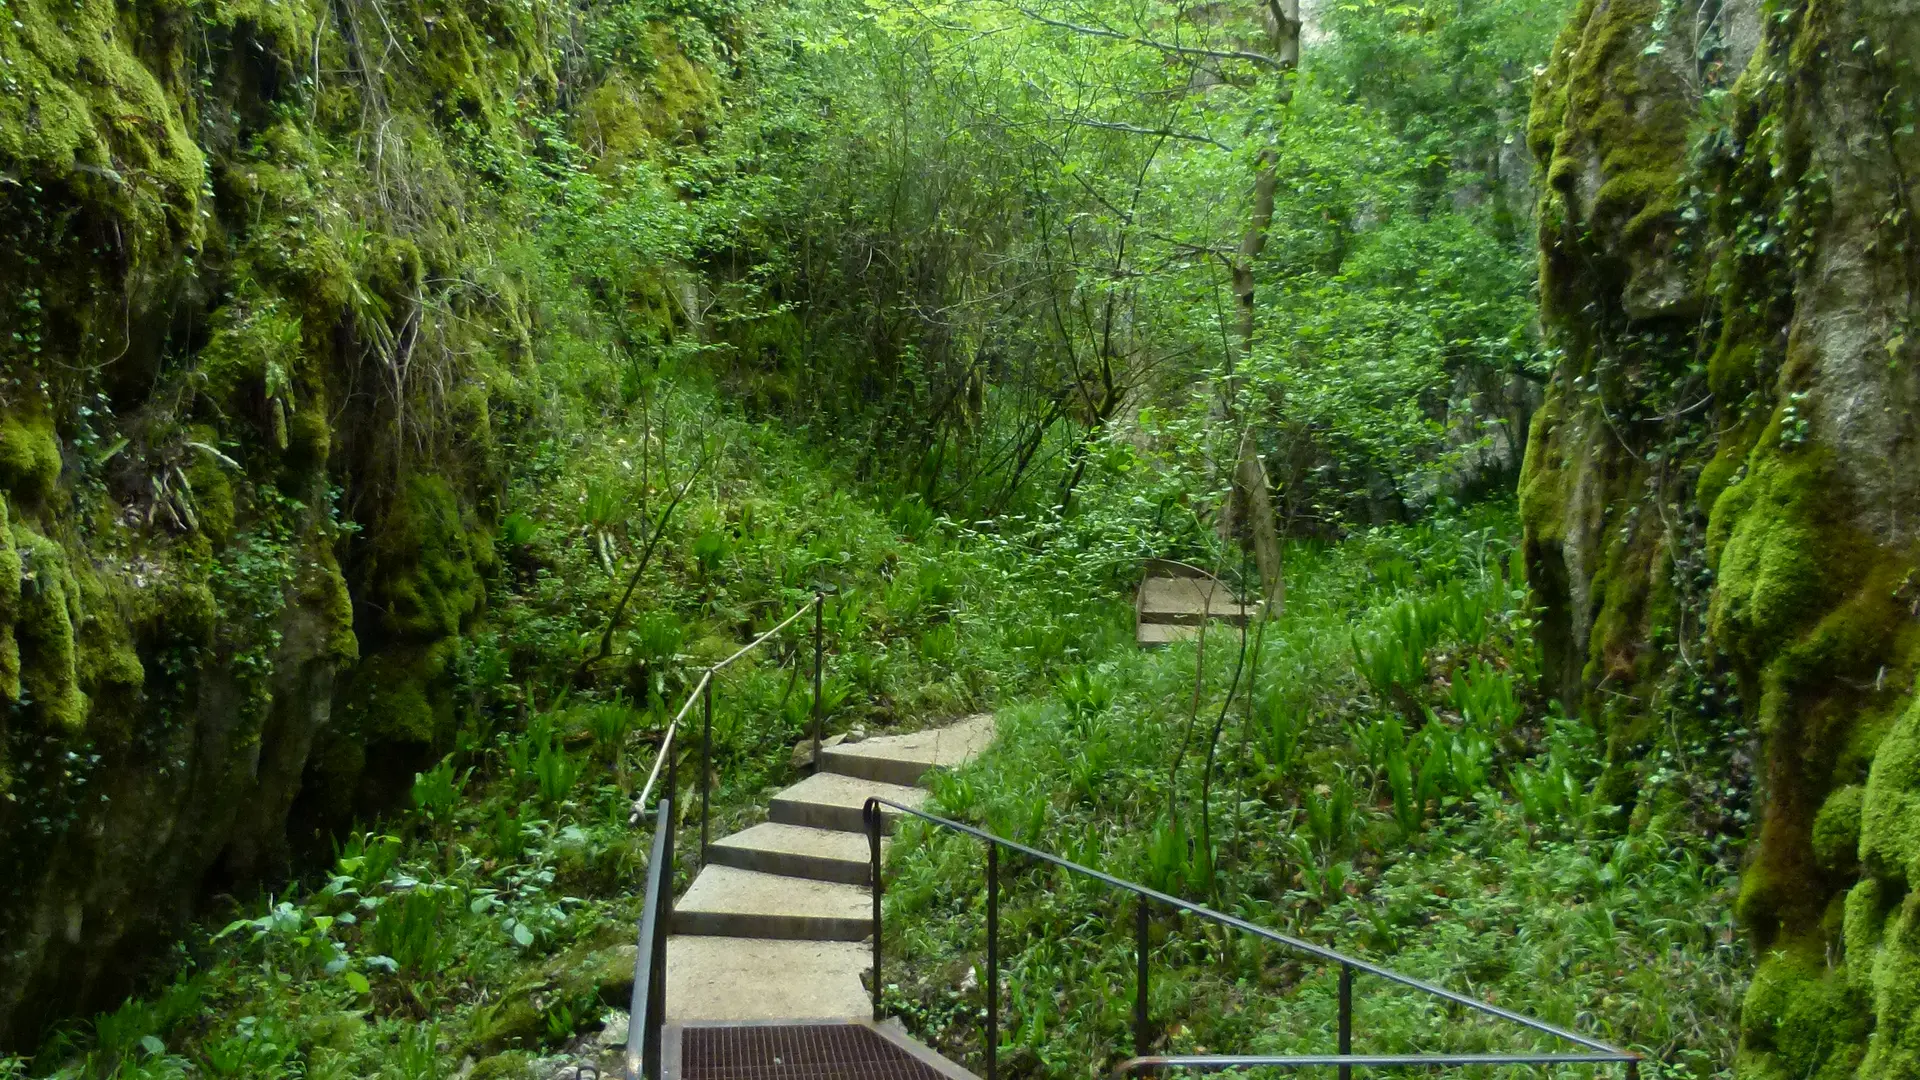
{"points": [[152, 1045], [357, 982], [522, 935]]}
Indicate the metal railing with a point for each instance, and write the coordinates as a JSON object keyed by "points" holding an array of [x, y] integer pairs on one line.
{"points": [[1595, 1051], [648, 1014]]}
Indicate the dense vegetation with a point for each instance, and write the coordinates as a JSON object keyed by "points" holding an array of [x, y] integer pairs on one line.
{"points": [[401, 401]]}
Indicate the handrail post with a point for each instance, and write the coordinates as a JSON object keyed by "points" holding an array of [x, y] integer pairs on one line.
{"points": [[1140, 979], [819, 620], [1346, 1018], [872, 815], [993, 962], [658, 1020], [706, 763]]}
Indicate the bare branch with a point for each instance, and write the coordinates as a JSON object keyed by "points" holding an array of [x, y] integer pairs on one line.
{"points": [[1169, 48], [1135, 129]]}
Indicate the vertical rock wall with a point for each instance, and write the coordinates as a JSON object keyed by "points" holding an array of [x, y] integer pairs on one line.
{"points": [[266, 290], [1722, 493]]}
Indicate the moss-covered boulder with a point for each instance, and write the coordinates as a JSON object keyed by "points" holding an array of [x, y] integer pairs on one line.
{"points": [[572, 986]]}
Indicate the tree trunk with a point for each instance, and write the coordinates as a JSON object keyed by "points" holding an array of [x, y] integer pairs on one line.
{"points": [[1252, 497]]}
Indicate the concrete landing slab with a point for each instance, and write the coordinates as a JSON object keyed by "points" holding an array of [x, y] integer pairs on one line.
{"points": [[903, 759], [797, 851], [732, 978], [832, 801], [726, 901], [1187, 601]]}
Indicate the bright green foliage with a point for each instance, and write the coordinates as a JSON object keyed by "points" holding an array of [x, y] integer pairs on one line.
{"points": [[1467, 850]]}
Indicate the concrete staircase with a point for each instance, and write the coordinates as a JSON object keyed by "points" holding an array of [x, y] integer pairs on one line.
{"points": [[772, 926]]}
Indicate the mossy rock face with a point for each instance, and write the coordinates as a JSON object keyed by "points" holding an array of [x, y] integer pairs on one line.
{"points": [[236, 563], [1759, 546]]}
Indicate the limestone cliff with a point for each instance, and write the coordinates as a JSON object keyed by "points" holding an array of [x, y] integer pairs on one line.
{"points": [[1722, 492], [267, 315]]}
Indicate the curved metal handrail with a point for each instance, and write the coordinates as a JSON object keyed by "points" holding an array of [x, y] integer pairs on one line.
{"points": [[1602, 1052], [702, 687]]}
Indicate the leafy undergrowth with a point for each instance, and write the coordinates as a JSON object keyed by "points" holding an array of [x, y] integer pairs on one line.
{"points": [[487, 926], [1377, 772]]}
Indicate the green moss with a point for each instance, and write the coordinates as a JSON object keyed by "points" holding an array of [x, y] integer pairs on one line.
{"points": [[81, 112], [1890, 806], [29, 457], [1807, 1018], [427, 571], [395, 704], [512, 1065], [9, 611], [213, 495], [1894, 1050], [1773, 539], [49, 613], [1863, 920], [249, 361], [1836, 830], [1543, 480]]}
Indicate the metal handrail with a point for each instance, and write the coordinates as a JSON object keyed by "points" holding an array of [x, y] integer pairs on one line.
{"points": [[646, 1012], [872, 815]]}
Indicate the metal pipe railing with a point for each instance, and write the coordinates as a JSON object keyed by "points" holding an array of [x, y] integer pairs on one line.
{"points": [[706, 679], [1345, 1061]]}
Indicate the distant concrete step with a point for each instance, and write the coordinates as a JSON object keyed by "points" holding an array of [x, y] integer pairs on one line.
{"points": [[734, 978], [905, 759], [797, 851], [829, 800], [726, 901], [1164, 633]]}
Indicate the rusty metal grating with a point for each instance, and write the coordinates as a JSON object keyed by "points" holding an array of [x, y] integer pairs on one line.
{"points": [[796, 1052]]}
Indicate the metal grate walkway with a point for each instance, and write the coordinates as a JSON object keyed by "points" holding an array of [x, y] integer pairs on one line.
{"points": [[796, 1052]]}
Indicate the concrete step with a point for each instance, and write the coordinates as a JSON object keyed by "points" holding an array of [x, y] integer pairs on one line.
{"points": [[726, 901], [831, 801], [737, 978], [797, 851], [1149, 634], [904, 759]]}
